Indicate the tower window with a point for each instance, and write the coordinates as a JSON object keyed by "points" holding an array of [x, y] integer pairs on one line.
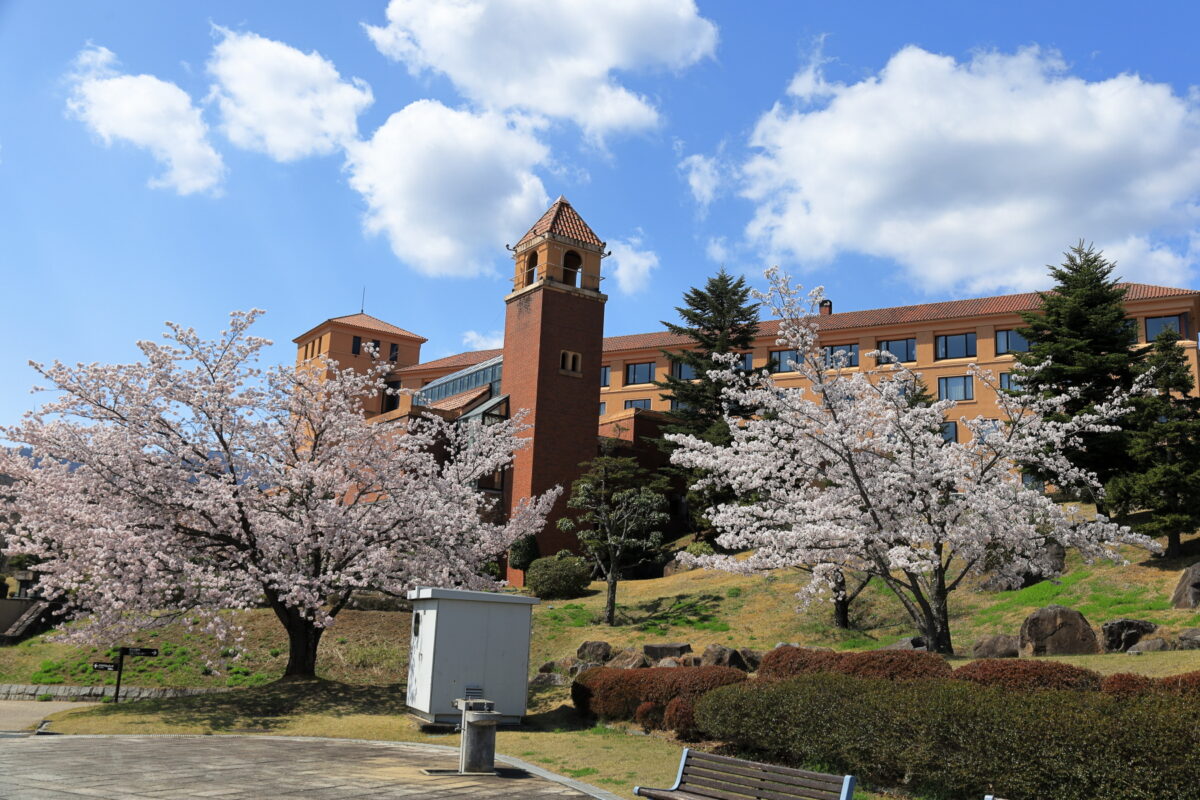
{"points": [[356, 345], [531, 263], [570, 363], [393, 352], [571, 264]]}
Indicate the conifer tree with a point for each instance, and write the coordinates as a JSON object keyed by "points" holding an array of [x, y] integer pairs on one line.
{"points": [[1083, 331], [1164, 447]]}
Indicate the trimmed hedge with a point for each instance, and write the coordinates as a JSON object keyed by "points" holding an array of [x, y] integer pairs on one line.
{"points": [[680, 716], [1128, 683], [955, 738], [787, 662], [650, 716], [560, 577], [612, 693], [1012, 673], [1188, 683]]}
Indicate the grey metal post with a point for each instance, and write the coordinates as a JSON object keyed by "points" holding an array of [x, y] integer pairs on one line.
{"points": [[477, 753]]}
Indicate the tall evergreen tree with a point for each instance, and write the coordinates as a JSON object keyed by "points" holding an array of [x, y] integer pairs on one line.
{"points": [[718, 319], [1083, 330], [1164, 448]]}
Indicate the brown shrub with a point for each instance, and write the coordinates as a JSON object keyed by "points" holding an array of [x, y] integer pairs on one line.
{"points": [[650, 716], [787, 662], [680, 717], [1028, 674], [1127, 684], [617, 693], [1187, 683], [895, 665]]}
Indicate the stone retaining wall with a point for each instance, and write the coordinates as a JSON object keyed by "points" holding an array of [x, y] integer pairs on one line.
{"points": [[92, 694]]}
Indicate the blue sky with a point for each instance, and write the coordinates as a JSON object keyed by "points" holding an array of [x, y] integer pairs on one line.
{"points": [[175, 161]]}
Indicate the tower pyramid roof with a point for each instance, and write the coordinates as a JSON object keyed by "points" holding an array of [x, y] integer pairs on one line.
{"points": [[561, 219]]}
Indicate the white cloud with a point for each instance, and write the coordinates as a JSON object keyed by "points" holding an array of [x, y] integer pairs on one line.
{"points": [[703, 176], [492, 340], [448, 187], [280, 101], [630, 265], [555, 58], [974, 175], [1139, 259], [717, 250], [149, 113]]}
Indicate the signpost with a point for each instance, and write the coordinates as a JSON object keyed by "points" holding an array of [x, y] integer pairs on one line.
{"points": [[108, 666]]}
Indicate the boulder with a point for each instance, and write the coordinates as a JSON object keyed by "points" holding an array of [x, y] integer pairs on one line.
{"points": [[1057, 631], [1155, 645], [1189, 639], [599, 652], [908, 643], [657, 652], [549, 666], [752, 658], [690, 660], [720, 656], [580, 666], [1122, 634], [785, 644], [1002, 645], [628, 659], [668, 662], [674, 567], [1187, 593], [548, 679]]}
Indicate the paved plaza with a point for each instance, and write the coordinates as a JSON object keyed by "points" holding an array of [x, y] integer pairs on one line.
{"points": [[252, 768]]}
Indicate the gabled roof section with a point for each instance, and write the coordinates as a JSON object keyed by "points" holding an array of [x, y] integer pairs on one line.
{"points": [[367, 323], [561, 219]]}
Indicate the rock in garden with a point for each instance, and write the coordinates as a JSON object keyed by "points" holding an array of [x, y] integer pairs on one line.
{"points": [[657, 652], [674, 568], [549, 666], [1187, 593], [594, 651], [721, 656], [1002, 645], [909, 643], [690, 660], [1189, 639], [628, 659], [668, 662], [548, 679], [1057, 631], [1155, 645], [752, 658], [786, 644], [1122, 634]]}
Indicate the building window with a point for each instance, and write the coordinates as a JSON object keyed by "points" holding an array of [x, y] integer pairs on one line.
{"points": [[605, 375], [841, 355], [570, 362], [784, 360], [639, 373], [1010, 342], [960, 387], [391, 397], [642, 404], [679, 405], [988, 427], [393, 352], [356, 345], [950, 431], [603, 409], [531, 268], [1156, 325], [902, 349], [747, 362], [959, 345], [571, 265], [378, 345], [682, 371], [1009, 383]]}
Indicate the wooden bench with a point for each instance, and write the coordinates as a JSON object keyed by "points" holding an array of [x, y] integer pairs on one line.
{"points": [[703, 776]]}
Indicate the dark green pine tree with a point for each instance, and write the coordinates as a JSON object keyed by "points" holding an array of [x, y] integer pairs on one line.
{"points": [[1083, 330], [720, 318], [1164, 448]]}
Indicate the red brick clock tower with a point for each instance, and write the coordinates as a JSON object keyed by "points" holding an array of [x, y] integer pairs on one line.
{"points": [[553, 336]]}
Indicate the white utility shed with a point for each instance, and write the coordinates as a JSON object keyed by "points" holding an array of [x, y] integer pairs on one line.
{"points": [[468, 644]]}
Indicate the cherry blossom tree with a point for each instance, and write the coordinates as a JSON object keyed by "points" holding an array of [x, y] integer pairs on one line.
{"points": [[844, 474], [196, 481]]}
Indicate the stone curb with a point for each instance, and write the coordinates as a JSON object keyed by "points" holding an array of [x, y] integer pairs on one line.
{"points": [[92, 694], [441, 749]]}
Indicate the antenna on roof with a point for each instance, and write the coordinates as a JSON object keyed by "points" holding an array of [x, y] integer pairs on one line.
{"points": [[363, 307]]}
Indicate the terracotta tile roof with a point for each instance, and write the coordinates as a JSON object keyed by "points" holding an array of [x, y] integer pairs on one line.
{"points": [[456, 361], [462, 400], [365, 322], [869, 318], [563, 220]]}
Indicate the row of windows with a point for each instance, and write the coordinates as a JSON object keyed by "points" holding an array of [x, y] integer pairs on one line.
{"points": [[356, 345], [487, 373]]}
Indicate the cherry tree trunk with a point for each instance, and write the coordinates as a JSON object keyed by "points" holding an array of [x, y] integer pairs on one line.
{"points": [[841, 612], [935, 627], [303, 638]]}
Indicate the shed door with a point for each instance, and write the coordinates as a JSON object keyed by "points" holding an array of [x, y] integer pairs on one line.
{"points": [[420, 656]]}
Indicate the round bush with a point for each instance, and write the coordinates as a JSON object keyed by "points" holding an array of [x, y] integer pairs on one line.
{"points": [[680, 717], [559, 577], [1127, 684], [699, 549], [523, 552], [895, 665], [1023, 673], [787, 661], [649, 715], [612, 693]]}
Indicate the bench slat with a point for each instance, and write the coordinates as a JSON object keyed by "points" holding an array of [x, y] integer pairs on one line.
{"points": [[826, 785], [742, 791], [772, 768], [757, 785]]}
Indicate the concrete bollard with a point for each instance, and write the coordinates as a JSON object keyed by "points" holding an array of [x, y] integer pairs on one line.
{"points": [[477, 753]]}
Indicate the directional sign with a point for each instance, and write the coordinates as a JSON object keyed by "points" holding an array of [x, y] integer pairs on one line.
{"points": [[139, 651], [104, 666]]}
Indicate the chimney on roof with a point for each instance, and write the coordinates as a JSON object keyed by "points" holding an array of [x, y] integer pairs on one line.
{"points": [[825, 308]]}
